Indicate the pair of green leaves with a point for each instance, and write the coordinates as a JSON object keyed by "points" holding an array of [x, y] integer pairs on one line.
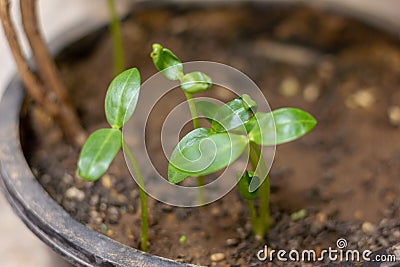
{"points": [[103, 145], [204, 151], [172, 68]]}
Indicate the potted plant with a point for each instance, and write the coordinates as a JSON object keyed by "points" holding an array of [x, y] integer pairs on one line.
{"points": [[60, 230]]}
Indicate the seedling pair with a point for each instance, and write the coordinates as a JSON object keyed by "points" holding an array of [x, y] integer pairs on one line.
{"points": [[235, 128]]}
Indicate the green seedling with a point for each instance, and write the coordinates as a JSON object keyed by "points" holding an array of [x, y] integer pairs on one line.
{"points": [[236, 128], [102, 146], [191, 83]]}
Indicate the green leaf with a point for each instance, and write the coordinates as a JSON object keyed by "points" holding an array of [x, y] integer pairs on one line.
{"points": [[121, 98], [203, 151], [246, 183], [166, 62], [234, 114], [98, 152], [207, 108], [195, 82], [290, 124]]}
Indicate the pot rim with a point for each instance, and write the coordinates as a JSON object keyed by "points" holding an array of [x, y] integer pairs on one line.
{"points": [[77, 243]]}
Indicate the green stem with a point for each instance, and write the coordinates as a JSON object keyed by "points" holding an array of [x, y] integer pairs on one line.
{"points": [[252, 210], [193, 111], [196, 124], [143, 198], [258, 164], [115, 29]]}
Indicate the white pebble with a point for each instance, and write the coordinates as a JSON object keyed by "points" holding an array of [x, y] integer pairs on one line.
{"points": [[311, 93], [360, 99], [368, 228], [289, 87], [217, 257], [106, 181], [75, 193], [394, 115]]}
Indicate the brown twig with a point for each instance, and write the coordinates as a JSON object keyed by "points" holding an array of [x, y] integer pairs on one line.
{"points": [[48, 71], [50, 93], [34, 86]]}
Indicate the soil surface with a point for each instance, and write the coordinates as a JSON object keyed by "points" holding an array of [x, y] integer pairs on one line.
{"points": [[345, 173]]}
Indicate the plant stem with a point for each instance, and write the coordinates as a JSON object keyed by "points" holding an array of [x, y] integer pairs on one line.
{"points": [[115, 29], [143, 198], [196, 124], [193, 110], [252, 211], [257, 162]]}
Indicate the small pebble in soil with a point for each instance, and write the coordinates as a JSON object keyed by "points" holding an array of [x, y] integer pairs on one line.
{"points": [[93, 214], [117, 199], [106, 181], [396, 234], [321, 217], [75, 193], [368, 228], [67, 179], [216, 212], [216, 257], [289, 87], [113, 214], [360, 99], [110, 233], [311, 93], [94, 200], [394, 115], [45, 178], [230, 242], [95, 217], [103, 206]]}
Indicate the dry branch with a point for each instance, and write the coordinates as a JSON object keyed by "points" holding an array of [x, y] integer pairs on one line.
{"points": [[43, 93]]}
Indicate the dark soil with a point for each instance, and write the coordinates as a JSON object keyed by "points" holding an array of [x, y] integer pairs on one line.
{"points": [[345, 173]]}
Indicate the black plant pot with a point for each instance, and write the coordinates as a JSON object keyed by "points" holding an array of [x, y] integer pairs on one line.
{"points": [[44, 217]]}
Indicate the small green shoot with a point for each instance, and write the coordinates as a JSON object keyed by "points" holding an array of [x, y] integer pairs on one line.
{"points": [[102, 146], [103, 228], [234, 127], [182, 239]]}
